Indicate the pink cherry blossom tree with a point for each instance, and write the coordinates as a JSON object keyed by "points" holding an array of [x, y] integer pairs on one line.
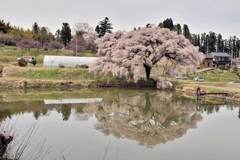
{"points": [[24, 44], [81, 45], [90, 37], [123, 53], [28, 44], [55, 45]]}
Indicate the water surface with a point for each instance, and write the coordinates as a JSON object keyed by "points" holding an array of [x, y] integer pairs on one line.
{"points": [[126, 125]]}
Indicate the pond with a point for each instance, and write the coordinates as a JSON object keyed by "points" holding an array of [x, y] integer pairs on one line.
{"points": [[120, 124]]}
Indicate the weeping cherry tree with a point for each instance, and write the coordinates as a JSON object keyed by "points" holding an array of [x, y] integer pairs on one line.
{"points": [[120, 52]]}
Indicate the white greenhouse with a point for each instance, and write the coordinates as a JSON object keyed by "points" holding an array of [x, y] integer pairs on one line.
{"points": [[66, 61]]}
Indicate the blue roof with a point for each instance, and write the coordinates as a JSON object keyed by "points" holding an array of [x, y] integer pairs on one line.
{"points": [[220, 54]]}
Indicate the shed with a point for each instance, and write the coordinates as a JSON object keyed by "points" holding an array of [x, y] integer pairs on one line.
{"points": [[208, 61], [66, 61]]}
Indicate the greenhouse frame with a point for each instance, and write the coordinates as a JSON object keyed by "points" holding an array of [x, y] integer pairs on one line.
{"points": [[66, 61]]}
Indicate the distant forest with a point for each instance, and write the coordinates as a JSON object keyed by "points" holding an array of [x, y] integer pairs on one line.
{"points": [[207, 42]]}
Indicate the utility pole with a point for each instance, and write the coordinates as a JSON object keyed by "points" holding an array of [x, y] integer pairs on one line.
{"points": [[231, 61], [76, 43]]}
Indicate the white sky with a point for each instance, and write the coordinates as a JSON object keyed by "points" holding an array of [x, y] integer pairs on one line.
{"points": [[222, 16]]}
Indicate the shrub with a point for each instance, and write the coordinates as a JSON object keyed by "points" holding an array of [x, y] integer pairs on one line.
{"points": [[22, 62]]}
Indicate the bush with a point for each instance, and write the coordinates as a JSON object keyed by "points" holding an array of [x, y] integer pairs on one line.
{"points": [[22, 62], [34, 62]]}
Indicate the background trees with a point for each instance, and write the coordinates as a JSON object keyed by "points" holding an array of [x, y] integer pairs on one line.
{"points": [[168, 23], [81, 44], [124, 53], [207, 42], [28, 44], [55, 45], [90, 37], [4, 27], [82, 28], [65, 34], [104, 27]]}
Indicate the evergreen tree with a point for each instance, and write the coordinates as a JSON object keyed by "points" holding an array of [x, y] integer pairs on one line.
{"points": [[219, 43], [203, 47], [35, 28], [160, 25], [194, 40], [57, 35], [234, 47], [36, 31], [65, 34], [186, 32], [212, 42], [168, 23], [4, 27], [178, 28], [104, 27]]}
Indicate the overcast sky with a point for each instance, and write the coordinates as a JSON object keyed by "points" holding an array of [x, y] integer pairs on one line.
{"points": [[219, 16]]}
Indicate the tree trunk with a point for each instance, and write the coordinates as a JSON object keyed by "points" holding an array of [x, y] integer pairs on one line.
{"points": [[147, 70]]}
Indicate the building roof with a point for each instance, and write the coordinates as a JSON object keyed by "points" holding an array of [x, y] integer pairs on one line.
{"points": [[220, 54], [208, 56]]}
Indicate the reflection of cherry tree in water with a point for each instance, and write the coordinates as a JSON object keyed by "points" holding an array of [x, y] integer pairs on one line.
{"points": [[150, 118], [76, 110]]}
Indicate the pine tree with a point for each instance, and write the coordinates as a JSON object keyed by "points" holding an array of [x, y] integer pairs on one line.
{"points": [[4, 27], [168, 23], [35, 28], [178, 28], [219, 43], [104, 27], [186, 32], [65, 34]]}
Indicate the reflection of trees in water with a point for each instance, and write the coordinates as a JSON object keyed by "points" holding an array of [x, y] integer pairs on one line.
{"points": [[38, 109], [79, 114], [150, 118], [203, 106]]}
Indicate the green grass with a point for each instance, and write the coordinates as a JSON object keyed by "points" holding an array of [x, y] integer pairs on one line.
{"points": [[52, 74], [217, 75], [11, 53]]}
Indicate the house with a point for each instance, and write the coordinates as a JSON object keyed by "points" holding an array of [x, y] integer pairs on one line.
{"points": [[221, 59], [208, 61]]}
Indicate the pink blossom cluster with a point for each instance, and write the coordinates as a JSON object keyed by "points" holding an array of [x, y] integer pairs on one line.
{"points": [[121, 51]]}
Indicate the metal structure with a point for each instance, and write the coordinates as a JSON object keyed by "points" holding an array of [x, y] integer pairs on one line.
{"points": [[66, 61]]}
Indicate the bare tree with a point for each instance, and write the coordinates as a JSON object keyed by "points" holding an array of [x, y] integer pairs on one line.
{"points": [[80, 28]]}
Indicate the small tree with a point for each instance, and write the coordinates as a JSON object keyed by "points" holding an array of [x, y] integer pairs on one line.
{"points": [[65, 34], [24, 44], [82, 28], [90, 37], [81, 45], [28, 44], [55, 45], [104, 27], [35, 44]]}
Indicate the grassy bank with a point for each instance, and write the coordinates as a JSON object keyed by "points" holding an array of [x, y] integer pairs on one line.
{"points": [[14, 76]]}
